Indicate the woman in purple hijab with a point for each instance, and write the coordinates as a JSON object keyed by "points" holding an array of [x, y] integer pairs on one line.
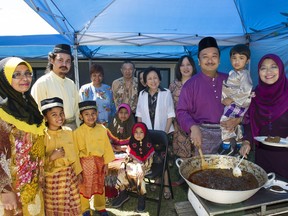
{"points": [[268, 116]]}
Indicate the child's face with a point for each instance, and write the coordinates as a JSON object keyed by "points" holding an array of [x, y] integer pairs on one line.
{"points": [[55, 118], [123, 114], [139, 134], [89, 117], [239, 61]]}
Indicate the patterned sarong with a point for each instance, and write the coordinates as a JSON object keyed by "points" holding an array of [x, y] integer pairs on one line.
{"points": [[234, 111], [211, 138], [127, 177], [61, 193], [93, 176]]}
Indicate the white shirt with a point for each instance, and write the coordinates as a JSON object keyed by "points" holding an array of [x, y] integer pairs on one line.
{"points": [[51, 85], [164, 110]]}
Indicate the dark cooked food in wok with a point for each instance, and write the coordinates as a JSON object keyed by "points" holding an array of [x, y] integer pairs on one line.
{"points": [[223, 179]]}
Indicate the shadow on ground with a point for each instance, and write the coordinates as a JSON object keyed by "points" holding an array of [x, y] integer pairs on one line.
{"points": [[167, 207]]}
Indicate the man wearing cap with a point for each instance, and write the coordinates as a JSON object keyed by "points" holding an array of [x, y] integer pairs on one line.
{"points": [[199, 108], [55, 83]]}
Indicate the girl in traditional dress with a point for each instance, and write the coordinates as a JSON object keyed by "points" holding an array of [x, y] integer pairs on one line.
{"points": [[119, 131], [137, 163], [21, 142], [62, 164], [95, 153]]}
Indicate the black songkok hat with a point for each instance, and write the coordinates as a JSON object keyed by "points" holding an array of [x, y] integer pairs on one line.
{"points": [[62, 48], [84, 105], [50, 103], [206, 43]]}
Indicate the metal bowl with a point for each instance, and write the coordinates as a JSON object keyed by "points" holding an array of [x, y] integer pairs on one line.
{"points": [[193, 164]]}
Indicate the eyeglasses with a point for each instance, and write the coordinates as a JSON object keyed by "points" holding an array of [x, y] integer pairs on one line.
{"points": [[19, 75]]}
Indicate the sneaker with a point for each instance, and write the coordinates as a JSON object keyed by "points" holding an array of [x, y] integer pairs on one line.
{"points": [[121, 199], [86, 213], [225, 149], [141, 203], [233, 144]]}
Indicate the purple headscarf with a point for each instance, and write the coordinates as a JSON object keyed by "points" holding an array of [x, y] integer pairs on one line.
{"points": [[271, 100]]}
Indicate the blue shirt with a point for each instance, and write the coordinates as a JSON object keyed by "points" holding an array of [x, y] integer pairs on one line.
{"points": [[104, 99]]}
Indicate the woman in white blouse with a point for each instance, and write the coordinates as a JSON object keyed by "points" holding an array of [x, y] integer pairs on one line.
{"points": [[155, 108]]}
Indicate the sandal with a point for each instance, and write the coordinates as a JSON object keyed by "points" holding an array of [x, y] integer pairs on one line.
{"points": [[154, 187], [167, 194]]}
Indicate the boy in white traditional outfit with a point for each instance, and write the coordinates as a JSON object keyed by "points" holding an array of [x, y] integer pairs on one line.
{"points": [[236, 96]]}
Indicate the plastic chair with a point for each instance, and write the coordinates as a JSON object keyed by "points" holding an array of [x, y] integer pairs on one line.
{"points": [[159, 140]]}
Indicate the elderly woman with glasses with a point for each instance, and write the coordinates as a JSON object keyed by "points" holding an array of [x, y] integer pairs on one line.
{"points": [[21, 141]]}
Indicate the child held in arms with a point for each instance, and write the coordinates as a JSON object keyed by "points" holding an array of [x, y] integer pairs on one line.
{"points": [[236, 96]]}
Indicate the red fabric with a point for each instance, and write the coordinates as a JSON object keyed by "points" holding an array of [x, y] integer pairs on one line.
{"points": [[93, 176], [111, 192], [61, 193], [141, 125], [143, 149]]}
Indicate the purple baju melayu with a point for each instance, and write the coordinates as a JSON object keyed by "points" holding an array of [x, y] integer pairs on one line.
{"points": [[200, 104]]}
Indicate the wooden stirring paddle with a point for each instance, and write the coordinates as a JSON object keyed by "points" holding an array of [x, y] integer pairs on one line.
{"points": [[204, 164]]}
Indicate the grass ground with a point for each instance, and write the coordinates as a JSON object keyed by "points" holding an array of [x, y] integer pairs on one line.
{"points": [[167, 207]]}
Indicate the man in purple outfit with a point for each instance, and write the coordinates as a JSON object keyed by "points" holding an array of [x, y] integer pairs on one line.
{"points": [[199, 108]]}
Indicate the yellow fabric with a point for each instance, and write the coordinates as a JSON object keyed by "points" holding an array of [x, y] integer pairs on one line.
{"points": [[29, 149], [99, 202], [11, 65], [85, 204], [94, 142], [21, 124], [61, 194], [35, 208], [57, 139], [50, 85]]}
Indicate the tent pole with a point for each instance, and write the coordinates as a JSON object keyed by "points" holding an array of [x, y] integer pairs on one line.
{"points": [[76, 69]]}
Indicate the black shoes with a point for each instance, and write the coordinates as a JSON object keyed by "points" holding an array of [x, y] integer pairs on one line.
{"points": [[141, 203], [121, 199]]}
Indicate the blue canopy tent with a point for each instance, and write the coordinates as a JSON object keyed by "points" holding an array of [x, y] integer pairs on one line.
{"points": [[145, 29]]}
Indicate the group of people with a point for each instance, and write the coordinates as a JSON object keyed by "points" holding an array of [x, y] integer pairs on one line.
{"points": [[263, 111], [44, 162], [61, 140]]}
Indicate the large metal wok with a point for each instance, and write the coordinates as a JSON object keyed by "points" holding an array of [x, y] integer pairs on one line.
{"points": [[193, 164]]}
